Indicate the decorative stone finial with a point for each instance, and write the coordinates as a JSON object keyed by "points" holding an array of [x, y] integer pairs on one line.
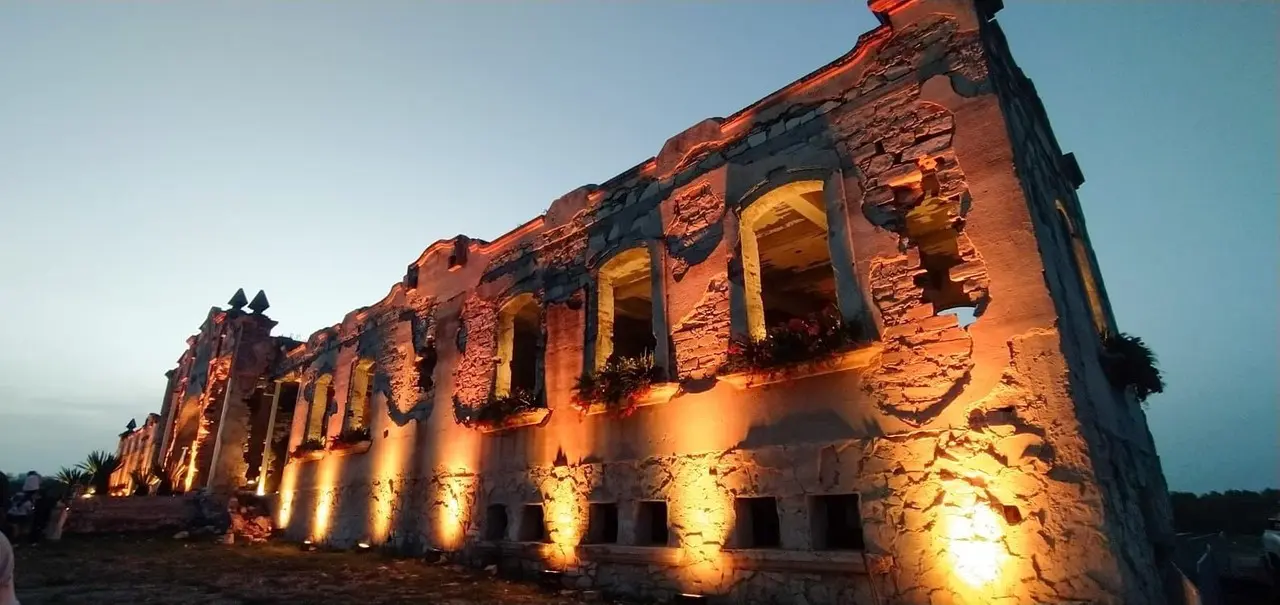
{"points": [[259, 303], [238, 300]]}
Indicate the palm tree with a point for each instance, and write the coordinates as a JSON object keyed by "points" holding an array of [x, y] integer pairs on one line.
{"points": [[72, 476], [141, 482], [164, 483], [99, 465]]}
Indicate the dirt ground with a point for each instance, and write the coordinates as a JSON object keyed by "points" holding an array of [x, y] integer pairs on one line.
{"points": [[162, 570]]}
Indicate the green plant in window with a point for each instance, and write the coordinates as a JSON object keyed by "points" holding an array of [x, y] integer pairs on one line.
{"points": [[1129, 364], [351, 436], [618, 384], [798, 339], [497, 409], [306, 447]]}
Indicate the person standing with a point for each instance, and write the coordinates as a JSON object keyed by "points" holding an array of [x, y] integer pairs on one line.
{"points": [[40, 515], [7, 596], [20, 516], [31, 484]]}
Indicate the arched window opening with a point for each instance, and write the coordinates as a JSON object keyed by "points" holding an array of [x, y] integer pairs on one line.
{"points": [[786, 258], [360, 397], [519, 346], [624, 310], [318, 412], [1084, 268]]}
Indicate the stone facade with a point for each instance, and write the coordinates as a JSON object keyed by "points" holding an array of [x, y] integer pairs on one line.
{"points": [[930, 460], [136, 452]]}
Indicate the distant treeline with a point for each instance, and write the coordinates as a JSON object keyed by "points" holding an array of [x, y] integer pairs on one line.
{"points": [[1232, 511]]}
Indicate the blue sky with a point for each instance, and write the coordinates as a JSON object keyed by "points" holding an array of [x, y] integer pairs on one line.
{"points": [[154, 157]]}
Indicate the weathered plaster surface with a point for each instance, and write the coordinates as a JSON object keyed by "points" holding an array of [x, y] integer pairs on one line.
{"points": [[992, 462]]}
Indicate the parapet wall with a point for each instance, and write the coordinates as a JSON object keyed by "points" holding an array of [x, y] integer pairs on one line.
{"points": [[133, 514]]}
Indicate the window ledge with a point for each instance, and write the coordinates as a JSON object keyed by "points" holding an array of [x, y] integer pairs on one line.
{"points": [[358, 447], [630, 555], [746, 559], [530, 418], [311, 455], [802, 561], [856, 359], [661, 392]]}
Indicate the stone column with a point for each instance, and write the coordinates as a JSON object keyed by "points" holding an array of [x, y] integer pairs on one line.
{"points": [[227, 469], [604, 318], [266, 440], [853, 308], [222, 434], [753, 301], [658, 298]]}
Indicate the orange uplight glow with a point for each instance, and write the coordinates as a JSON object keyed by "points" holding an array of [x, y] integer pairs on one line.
{"points": [[191, 468], [288, 483], [452, 518], [388, 469], [973, 542], [702, 515], [563, 510], [326, 491]]}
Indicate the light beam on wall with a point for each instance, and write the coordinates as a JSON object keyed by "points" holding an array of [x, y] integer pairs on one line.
{"points": [[974, 544]]}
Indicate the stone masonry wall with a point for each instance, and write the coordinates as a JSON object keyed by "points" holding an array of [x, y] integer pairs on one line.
{"points": [[987, 464], [1126, 463]]}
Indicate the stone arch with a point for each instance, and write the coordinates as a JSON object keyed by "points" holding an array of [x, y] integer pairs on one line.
{"points": [[519, 345], [1084, 269], [360, 395], [318, 409], [792, 231], [627, 307]]}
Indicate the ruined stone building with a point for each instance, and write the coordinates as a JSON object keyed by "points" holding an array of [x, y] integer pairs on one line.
{"points": [[841, 346], [136, 451]]}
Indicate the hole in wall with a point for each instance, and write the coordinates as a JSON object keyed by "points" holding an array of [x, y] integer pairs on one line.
{"points": [[651, 524], [602, 523], [427, 366], [532, 526], [965, 316], [757, 524], [495, 522], [836, 522], [1012, 515]]}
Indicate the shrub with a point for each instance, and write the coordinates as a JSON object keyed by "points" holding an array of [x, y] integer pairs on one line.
{"points": [[141, 483], [99, 465], [351, 436], [800, 339], [1130, 364], [306, 447], [618, 384], [164, 483]]}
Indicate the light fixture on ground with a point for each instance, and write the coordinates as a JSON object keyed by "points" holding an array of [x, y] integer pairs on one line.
{"points": [[551, 579], [685, 598]]}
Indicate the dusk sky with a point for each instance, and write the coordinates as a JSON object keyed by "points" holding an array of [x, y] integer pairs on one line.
{"points": [[154, 157]]}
